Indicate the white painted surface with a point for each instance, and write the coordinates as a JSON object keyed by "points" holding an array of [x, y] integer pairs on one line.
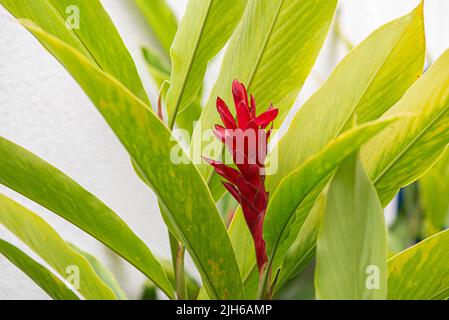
{"points": [[44, 110]]}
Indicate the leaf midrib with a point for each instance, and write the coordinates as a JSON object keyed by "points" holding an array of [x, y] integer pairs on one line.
{"points": [[74, 34], [265, 44], [190, 66]]}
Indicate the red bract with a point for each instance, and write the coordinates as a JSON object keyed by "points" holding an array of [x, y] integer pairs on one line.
{"points": [[246, 140]]}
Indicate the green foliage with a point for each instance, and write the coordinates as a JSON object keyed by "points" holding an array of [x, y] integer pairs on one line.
{"points": [[324, 199], [421, 272], [96, 38], [203, 31], [102, 272], [352, 242], [43, 277], [434, 190], [161, 21], [367, 82], [26, 173], [302, 187], [149, 143], [42, 239], [404, 152]]}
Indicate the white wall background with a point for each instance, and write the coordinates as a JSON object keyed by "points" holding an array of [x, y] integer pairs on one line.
{"points": [[44, 110]]}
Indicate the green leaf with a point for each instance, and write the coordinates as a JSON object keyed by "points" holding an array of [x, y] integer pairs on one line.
{"points": [[421, 272], [107, 276], [302, 251], [243, 244], [203, 31], [161, 20], [301, 188], [352, 241], [96, 36], [179, 187], [272, 52], [164, 25], [404, 152], [37, 180], [187, 118], [158, 67], [42, 239], [160, 71], [245, 253], [434, 191], [368, 81], [43, 277]]}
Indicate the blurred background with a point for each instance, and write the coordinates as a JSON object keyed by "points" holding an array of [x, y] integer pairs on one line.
{"points": [[44, 110]]}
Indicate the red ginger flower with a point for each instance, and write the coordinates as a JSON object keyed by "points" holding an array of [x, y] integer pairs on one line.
{"points": [[247, 142]]}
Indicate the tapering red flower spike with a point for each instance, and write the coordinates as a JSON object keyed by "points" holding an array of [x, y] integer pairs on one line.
{"points": [[247, 141]]}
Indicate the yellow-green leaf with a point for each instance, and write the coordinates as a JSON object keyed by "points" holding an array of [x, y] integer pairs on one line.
{"points": [[434, 191], [421, 272], [86, 26], [42, 239], [179, 187], [302, 251], [161, 20], [43, 277], [368, 81], [300, 189], [243, 244], [351, 258], [202, 33], [404, 152], [31, 176], [157, 66], [107, 276]]}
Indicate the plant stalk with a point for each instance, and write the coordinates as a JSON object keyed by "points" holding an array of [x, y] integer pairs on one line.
{"points": [[180, 273]]}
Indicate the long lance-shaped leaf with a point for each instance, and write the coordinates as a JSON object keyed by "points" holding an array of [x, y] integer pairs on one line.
{"points": [[157, 66], [86, 26], [31, 176], [421, 272], [433, 189], [202, 33], [368, 81], [41, 238], [180, 187], [404, 152], [103, 273], [160, 71], [245, 252], [164, 25], [272, 52], [351, 262], [301, 188], [161, 20], [43, 277]]}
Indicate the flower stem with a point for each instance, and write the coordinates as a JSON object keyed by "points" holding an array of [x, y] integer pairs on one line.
{"points": [[180, 273]]}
